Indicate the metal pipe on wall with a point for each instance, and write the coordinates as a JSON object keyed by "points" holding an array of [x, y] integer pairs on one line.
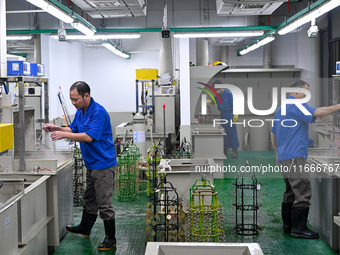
{"points": [[267, 56], [165, 56], [317, 71], [3, 43], [22, 126], [224, 54], [37, 48], [202, 52]]}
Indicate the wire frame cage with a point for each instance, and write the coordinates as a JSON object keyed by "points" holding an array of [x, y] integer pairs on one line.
{"points": [[247, 200], [79, 177], [184, 150], [165, 217], [205, 222], [126, 177], [155, 154]]}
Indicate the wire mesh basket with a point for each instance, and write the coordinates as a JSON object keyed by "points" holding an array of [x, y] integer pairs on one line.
{"points": [[247, 200], [205, 222], [126, 176]]}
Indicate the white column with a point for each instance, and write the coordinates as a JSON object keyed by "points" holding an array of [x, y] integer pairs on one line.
{"points": [[3, 45], [185, 127]]}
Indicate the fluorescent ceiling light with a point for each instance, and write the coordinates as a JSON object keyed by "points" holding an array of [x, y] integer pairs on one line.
{"points": [[18, 37], [53, 10], [257, 45], [217, 34], [313, 14], [112, 47], [83, 28], [101, 37]]}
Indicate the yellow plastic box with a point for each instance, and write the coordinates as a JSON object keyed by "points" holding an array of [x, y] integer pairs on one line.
{"points": [[146, 74], [6, 136]]}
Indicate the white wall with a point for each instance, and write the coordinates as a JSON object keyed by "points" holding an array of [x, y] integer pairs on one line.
{"points": [[63, 66], [111, 78]]}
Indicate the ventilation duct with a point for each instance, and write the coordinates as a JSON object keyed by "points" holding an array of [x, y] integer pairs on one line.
{"points": [[99, 9], [247, 7]]}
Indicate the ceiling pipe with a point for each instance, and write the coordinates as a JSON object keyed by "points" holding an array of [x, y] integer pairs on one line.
{"points": [[165, 56]]}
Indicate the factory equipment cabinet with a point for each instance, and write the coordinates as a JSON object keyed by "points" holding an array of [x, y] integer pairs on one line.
{"points": [[325, 202], [46, 205]]}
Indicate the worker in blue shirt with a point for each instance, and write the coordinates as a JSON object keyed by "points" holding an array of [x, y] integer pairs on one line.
{"points": [[91, 127], [226, 109], [290, 142]]}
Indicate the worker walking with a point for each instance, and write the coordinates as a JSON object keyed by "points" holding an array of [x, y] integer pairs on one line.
{"points": [[226, 109], [91, 127], [290, 142]]}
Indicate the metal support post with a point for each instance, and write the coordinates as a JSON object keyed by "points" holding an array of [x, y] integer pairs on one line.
{"points": [[22, 126]]}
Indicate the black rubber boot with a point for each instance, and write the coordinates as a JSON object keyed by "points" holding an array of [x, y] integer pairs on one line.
{"points": [[85, 226], [299, 224], [286, 211], [110, 238], [235, 154]]}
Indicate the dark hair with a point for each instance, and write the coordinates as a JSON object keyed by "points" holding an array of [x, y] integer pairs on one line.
{"points": [[81, 87], [298, 84]]}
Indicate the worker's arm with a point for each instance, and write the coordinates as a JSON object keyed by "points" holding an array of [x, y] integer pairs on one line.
{"points": [[324, 111], [51, 128], [77, 137]]}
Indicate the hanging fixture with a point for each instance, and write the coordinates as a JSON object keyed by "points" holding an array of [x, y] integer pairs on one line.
{"points": [[53, 10], [256, 44], [87, 30], [64, 14], [101, 36], [116, 49], [308, 14], [210, 34], [18, 37]]}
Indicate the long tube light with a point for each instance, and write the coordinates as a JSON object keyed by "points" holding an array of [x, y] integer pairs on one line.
{"points": [[53, 10], [115, 49], [89, 31], [257, 45], [311, 15], [217, 34], [18, 37], [101, 37]]}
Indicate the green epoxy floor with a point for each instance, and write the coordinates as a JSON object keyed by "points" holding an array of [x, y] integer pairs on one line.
{"points": [[130, 218]]}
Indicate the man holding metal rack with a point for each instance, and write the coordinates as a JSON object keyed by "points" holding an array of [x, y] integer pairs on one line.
{"points": [[91, 127]]}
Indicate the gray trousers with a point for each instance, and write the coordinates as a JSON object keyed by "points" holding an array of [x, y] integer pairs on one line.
{"points": [[98, 193], [298, 188]]}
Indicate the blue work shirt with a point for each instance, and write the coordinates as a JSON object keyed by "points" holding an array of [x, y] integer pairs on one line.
{"points": [[292, 142], [227, 101], [100, 153]]}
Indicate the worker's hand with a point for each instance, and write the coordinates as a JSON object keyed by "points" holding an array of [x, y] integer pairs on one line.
{"points": [[57, 135], [49, 127], [235, 118], [208, 102]]}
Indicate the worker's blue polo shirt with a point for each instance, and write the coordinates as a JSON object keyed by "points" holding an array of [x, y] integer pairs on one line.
{"points": [[227, 101], [100, 153], [292, 142]]}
